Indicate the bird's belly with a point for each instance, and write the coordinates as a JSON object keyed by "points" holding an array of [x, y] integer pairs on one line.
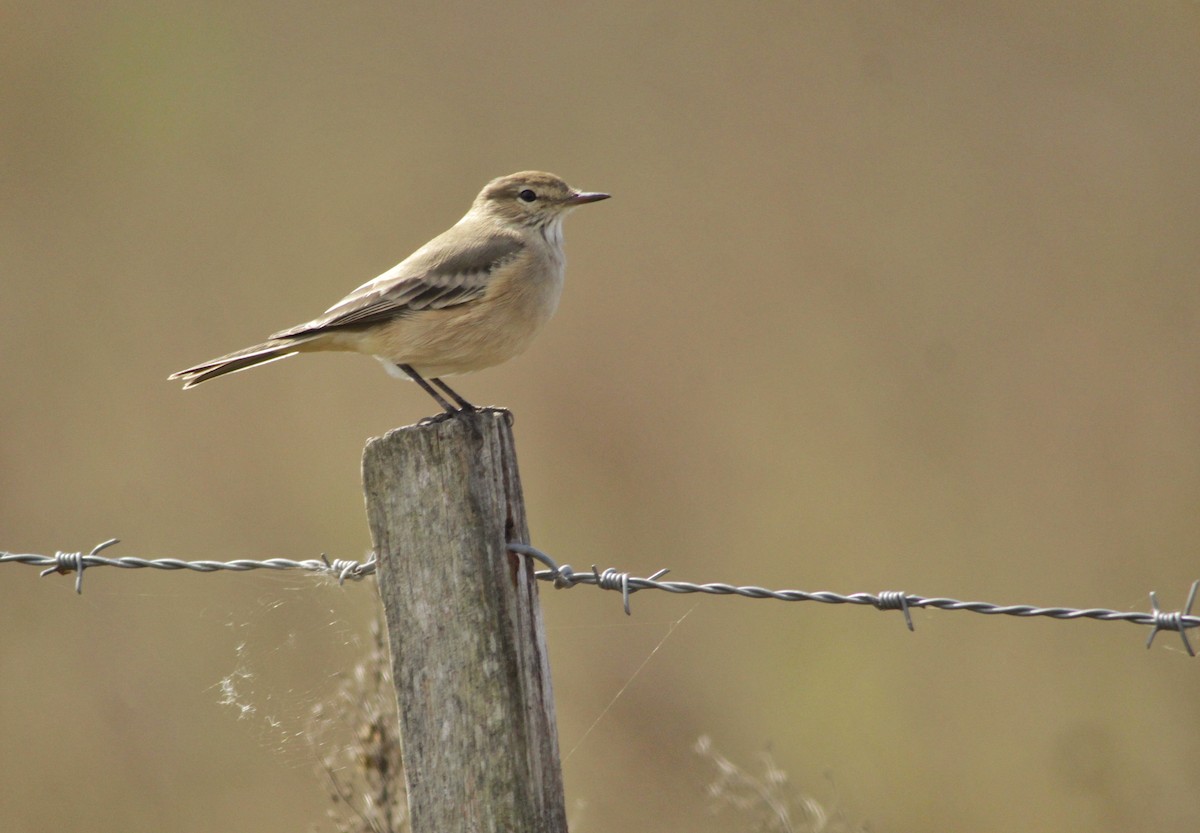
{"points": [[467, 337]]}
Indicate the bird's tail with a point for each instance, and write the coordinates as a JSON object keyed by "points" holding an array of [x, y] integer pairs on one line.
{"points": [[268, 351]]}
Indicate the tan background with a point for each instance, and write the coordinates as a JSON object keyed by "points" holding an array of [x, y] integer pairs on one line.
{"points": [[889, 296]]}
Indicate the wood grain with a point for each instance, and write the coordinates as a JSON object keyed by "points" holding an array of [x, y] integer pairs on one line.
{"points": [[468, 645]]}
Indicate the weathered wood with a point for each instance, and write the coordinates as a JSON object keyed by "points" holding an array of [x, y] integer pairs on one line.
{"points": [[469, 660]]}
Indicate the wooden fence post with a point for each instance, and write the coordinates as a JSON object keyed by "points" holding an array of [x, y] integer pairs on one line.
{"points": [[477, 727]]}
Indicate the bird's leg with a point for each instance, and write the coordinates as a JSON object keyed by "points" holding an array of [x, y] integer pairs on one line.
{"points": [[462, 403], [428, 388]]}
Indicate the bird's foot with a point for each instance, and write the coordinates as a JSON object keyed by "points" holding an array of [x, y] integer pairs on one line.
{"points": [[486, 409], [436, 418]]}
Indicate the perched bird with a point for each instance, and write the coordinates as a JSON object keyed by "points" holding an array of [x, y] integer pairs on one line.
{"points": [[470, 298]]}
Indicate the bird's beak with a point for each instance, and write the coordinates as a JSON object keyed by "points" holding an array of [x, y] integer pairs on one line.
{"points": [[585, 197]]}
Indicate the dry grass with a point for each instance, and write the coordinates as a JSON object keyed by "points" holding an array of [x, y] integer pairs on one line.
{"points": [[365, 776], [767, 800]]}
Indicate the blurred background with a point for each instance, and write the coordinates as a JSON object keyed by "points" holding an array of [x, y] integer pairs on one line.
{"points": [[889, 296]]}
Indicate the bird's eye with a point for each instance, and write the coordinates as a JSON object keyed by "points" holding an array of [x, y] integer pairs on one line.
{"points": [[527, 196]]}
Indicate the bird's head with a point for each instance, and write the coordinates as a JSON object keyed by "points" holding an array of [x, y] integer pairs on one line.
{"points": [[531, 198]]}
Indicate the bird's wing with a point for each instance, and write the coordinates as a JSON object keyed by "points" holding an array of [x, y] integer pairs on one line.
{"points": [[442, 273]]}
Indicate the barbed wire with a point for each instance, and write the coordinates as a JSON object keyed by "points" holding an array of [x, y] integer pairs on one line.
{"points": [[564, 577], [77, 562]]}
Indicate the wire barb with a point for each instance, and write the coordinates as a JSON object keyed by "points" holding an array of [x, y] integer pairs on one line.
{"points": [[1173, 620], [896, 600], [345, 569], [565, 577], [76, 562]]}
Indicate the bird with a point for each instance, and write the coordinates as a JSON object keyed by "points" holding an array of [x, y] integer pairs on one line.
{"points": [[471, 298]]}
